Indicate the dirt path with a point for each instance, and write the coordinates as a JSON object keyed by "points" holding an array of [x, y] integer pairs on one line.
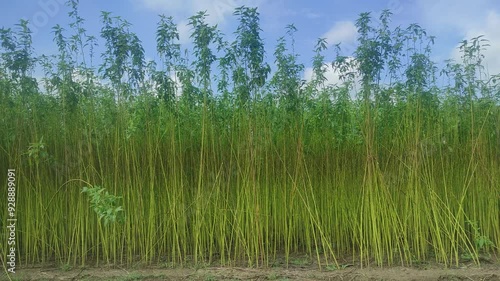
{"points": [[486, 272]]}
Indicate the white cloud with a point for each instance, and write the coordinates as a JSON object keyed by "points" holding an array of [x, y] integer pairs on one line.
{"points": [[184, 31], [218, 10], [178, 84], [333, 79], [312, 15], [309, 14], [344, 32], [441, 15], [467, 19], [487, 26], [332, 76], [160, 5]]}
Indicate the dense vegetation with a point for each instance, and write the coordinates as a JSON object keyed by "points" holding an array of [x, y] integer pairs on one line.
{"points": [[212, 155]]}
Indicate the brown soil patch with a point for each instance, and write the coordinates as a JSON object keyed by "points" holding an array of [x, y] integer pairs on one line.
{"points": [[300, 267], [488, 272]]}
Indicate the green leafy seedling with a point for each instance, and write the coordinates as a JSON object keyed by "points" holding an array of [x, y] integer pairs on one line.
{"points": [[105, 204]]}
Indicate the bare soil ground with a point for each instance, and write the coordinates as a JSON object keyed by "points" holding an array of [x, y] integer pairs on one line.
{"points": [[299, 269]]}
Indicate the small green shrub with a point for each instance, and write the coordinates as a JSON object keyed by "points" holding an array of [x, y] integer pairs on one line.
{"points": [[105, 204]]}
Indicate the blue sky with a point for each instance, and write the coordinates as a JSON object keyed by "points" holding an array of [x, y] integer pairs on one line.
{"points": [[450, 21]]}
